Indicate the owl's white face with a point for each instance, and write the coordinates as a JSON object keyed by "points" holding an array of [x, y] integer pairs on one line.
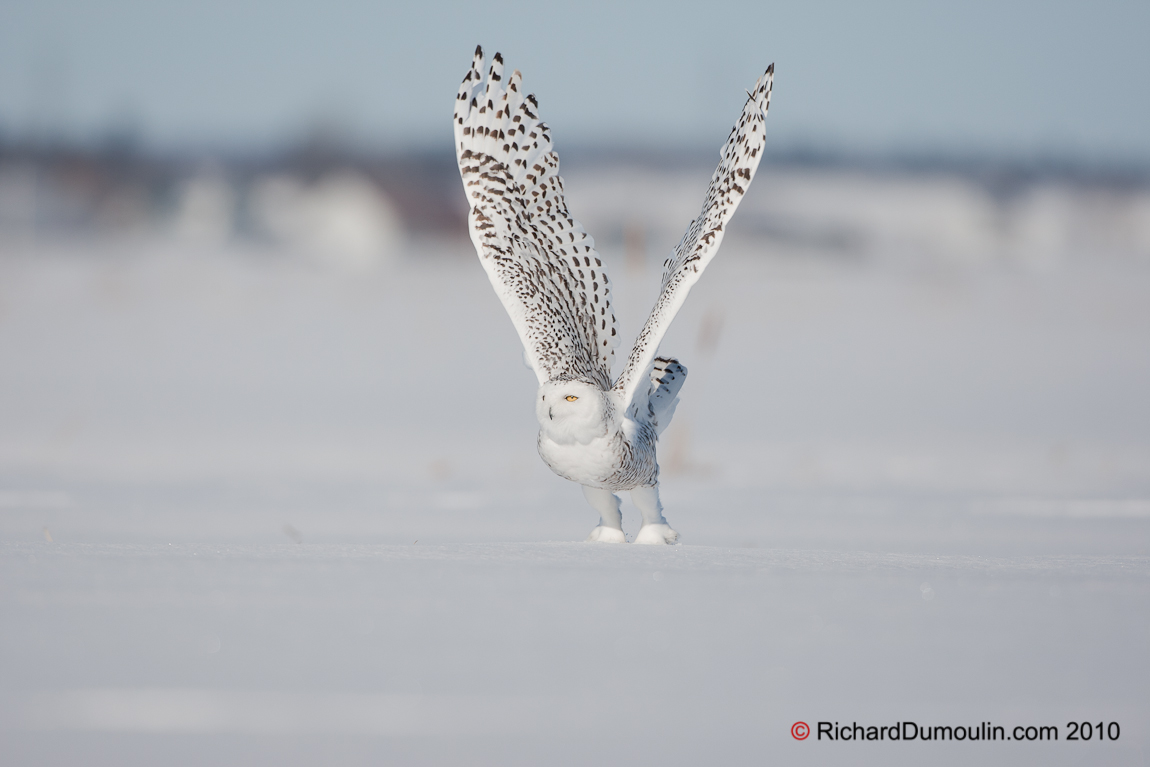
{"points": [[571, 411]]}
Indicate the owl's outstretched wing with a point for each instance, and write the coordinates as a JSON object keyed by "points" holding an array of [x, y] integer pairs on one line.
{"points": [[740, 158], [540, 261]]}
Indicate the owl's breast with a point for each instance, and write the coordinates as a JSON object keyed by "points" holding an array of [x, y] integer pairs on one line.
{"points": [[613, 462]]}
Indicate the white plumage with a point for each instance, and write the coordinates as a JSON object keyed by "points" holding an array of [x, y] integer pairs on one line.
{"points": [[595, 430]]}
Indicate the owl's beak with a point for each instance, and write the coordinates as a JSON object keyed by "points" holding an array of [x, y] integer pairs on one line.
{"points": [[550, 415]]}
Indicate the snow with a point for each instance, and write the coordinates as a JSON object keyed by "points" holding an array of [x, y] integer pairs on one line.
{"points": [[258, 509], [521, 653]]}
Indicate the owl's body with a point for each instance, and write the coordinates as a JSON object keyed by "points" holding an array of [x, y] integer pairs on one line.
{"points": [[596, 430], [622, 457]]}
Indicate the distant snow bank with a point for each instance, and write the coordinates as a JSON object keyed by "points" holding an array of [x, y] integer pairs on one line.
{"points": [[883, 216], [341, 218], [347, 216]]}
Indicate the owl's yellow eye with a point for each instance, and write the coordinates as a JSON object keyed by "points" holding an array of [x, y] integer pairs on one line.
{"points": [[571, 398]]}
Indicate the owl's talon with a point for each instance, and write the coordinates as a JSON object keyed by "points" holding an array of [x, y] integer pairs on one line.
{"points": [[607, 535], [657, 534]]}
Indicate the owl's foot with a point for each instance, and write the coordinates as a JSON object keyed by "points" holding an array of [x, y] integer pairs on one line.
{"points": [[607, 535], [657, 534]]}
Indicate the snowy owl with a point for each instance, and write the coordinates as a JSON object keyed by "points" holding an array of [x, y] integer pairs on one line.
{"points": [[594, 430]]}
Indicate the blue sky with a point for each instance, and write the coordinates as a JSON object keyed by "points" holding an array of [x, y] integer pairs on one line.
{"points": [[1013, 77]]}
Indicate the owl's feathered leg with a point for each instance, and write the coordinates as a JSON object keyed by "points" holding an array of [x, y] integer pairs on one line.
{"points": [[610, 529], [655, 528]]}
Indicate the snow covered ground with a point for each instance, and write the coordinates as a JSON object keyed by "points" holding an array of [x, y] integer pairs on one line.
{"points": [[254, 509]]}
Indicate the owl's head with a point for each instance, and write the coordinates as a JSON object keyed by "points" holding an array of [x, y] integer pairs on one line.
{"points": [[572, 411]]}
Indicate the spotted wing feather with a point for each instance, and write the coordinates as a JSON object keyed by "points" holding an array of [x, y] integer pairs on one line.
{"points": [[540, 261], [740, 158], [667, 378]]}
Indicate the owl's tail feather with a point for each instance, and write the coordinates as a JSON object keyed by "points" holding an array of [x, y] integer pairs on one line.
{"points": [[667, 377]]}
